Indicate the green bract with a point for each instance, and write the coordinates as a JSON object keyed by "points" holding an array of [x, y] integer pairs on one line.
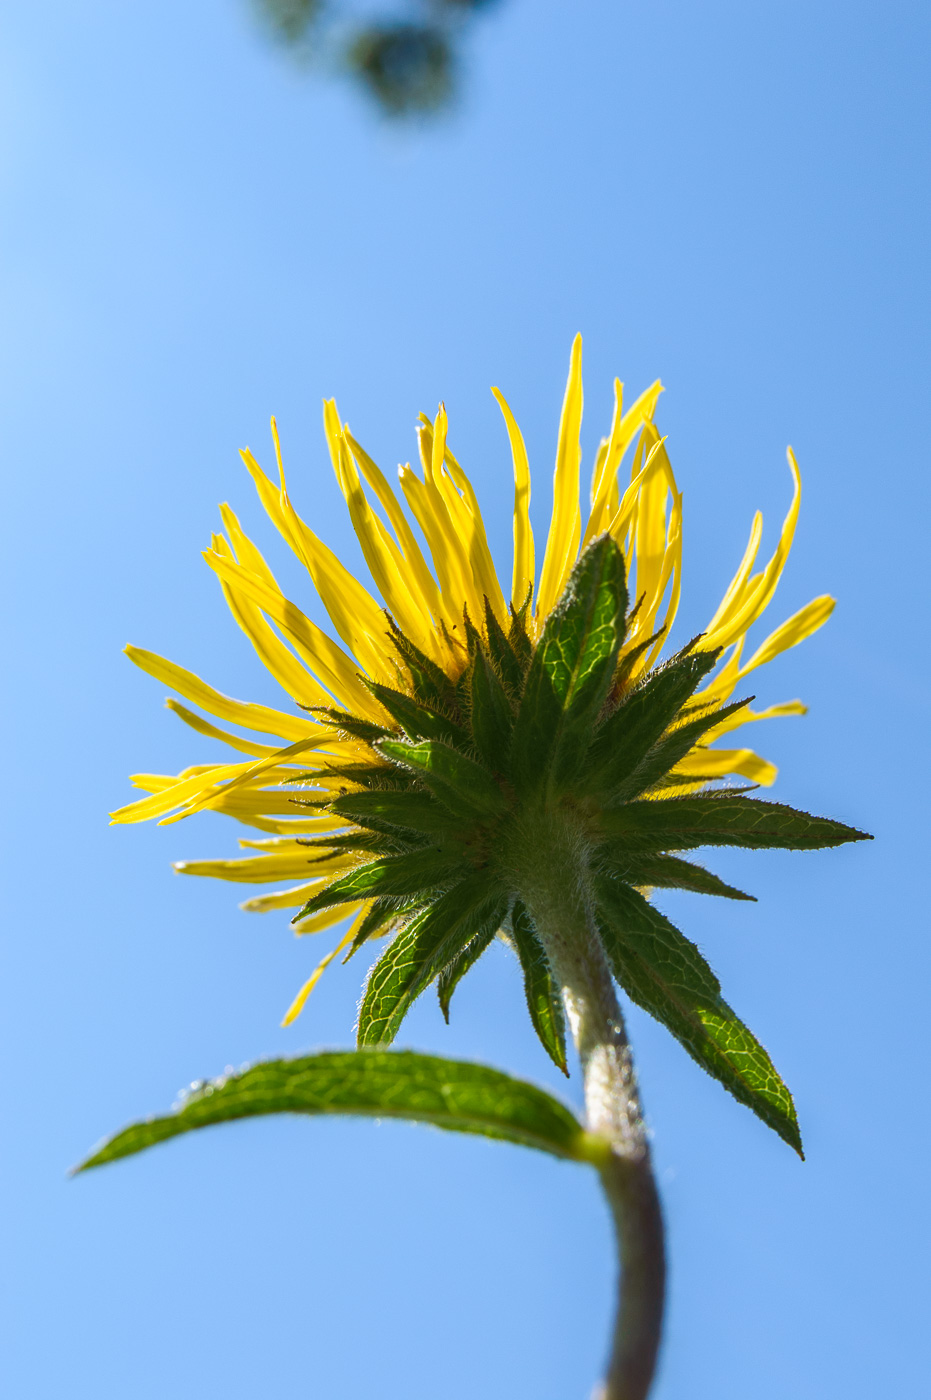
{"points": [[532, 738]]}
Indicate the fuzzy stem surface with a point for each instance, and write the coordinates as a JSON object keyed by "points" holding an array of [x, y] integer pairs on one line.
{"points": [[554, 885]]}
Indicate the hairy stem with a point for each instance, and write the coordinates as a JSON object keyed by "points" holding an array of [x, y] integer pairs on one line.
{"points": [[554, 889]]}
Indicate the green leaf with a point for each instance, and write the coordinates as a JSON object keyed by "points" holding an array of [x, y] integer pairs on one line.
{"points": [[572, 668], [451, 1094], [684, 823], [666, 873], [390, 877], [454, 971], [666, 974], [413, 811], [420, 951], [418, 721], [492, 716], [544, 999], [464, 786], [629, 733]]}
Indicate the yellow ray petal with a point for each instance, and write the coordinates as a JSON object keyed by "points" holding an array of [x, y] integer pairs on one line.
{"points": [[255, 717], [326, 918], [281, 899], [479, 553], [148, 807], [566, 522], [210, 731], [720, 763], [297, 1005], [758, 592], [799, 626], [385, 560], [624, 428], [331, 665], [735, 590], [264, 770], [268, 869], [420, 582], [523, 575]]}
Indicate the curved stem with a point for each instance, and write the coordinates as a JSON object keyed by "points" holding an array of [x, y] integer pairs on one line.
{"points": [[557, 898]]}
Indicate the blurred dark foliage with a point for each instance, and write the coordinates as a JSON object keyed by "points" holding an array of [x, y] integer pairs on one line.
{"points": [[409, 63]]}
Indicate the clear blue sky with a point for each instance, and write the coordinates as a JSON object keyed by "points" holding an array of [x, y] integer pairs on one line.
{"points": [[194, 235]]}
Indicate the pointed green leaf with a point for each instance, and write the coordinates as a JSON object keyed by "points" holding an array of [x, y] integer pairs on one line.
{"points": [[390, 877], [464, 786], [418, 721], [666, 974], [628, 735], [572, 668], [451, 1094], [454, 971], [665, 873], [519, 638], [420, 951], [712, 819], [492, 716], [544, 999]]}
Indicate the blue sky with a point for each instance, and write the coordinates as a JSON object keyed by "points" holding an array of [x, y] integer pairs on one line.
{"points": [[194, 234]]}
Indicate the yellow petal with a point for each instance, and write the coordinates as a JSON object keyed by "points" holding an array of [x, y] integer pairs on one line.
{"points": [[420, 582], [522, 578], [335, 670], [719, 763], [297, 1005], [256, 717], [757, 593], [566, 522], [210, 731]]}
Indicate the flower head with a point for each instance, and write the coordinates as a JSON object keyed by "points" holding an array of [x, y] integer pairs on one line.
{"points": [[408, 753]]}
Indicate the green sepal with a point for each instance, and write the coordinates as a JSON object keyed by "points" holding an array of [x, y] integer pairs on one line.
{"points": [[572, 669], [454, 971], [367, 775], [430, 683], [646, 712], [390, 877], [666, 974], [451, 1094], [717, 819], [669, 751], [506, 660], [630, 658], [420, 951], [382, 913], [544, 999], [377, 842], [461, 784], [413, 811], [419, 721], [519, 637], [492, 716], [665, 873], [349, 724]]}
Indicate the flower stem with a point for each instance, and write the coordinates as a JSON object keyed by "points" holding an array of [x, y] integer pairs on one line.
{"points": [[554, 889]]}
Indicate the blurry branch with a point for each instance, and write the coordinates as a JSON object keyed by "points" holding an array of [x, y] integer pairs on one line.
{"points": [[407, 62]]}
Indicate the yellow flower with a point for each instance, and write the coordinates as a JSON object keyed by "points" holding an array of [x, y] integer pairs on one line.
{"points": [[428, 595]]}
